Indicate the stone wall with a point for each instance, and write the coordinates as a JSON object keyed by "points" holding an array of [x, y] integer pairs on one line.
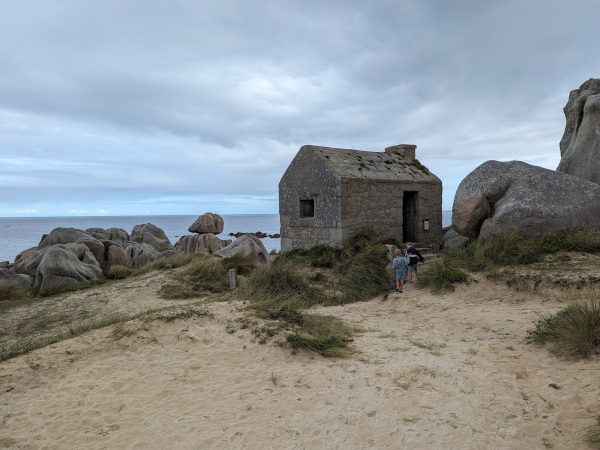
{"points": [[308, 178], [378, 206]]}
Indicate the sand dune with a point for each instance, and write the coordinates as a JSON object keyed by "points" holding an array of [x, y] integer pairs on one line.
{"points": [[448, 371]]}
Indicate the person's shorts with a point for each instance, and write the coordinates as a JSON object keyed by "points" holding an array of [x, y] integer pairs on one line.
{"points": [[401, 275], [412, 267]]}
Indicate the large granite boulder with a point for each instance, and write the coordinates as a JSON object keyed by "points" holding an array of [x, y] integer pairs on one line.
{"points": [[28, 260], [453, 239], [118, 235], [580, 144], [115, 255], [60, 268], [10, 278], [202, 244], [140, 254], [250, 246], [151, 234], [73, 235], [501, 196], [207, 223]]}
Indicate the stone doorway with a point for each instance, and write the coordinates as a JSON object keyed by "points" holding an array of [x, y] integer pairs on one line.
{"points": [[409, 216]]}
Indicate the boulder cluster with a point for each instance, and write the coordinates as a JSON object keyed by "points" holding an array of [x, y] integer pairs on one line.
{"points": [[204, 242], [68, 256], [498, 197]]}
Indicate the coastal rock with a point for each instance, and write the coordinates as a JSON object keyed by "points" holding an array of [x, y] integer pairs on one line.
{"points": [[28, 260], [117, 235], [453, 239], [250, 246], [207, 223], [501, 196], [115, 255], [139, 254], [73, 235], [10, 278], [60, 268], [580, 144], [203, 244], [152, 235], [82, 252]]}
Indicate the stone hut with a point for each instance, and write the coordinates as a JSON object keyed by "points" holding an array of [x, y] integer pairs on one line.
{"points": [[326, 195]]}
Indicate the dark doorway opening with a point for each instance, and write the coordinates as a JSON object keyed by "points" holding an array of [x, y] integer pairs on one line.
{"points": [[409, 216], [307, 208]]}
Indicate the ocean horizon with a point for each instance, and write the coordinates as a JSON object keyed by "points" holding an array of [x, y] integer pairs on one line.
{"points": [[21, 233]]}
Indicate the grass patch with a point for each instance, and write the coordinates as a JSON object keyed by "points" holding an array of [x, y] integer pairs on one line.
{"points": [[282, 290], [118, 273], [440, 278], [509, 249], [206, 275], [592, 434], [15, 295], [573, 332], [326, 335], [120, 329]]}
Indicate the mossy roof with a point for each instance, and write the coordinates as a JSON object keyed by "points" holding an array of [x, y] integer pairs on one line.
{"points": [[359, 164]]}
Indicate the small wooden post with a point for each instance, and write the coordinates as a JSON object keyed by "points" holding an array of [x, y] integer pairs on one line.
{"points": [[232, 279]]}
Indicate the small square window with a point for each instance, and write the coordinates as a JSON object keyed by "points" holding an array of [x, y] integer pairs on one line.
{"points": [[307, 208]]}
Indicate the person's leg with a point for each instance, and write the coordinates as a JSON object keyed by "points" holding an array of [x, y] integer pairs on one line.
{"points": [[401, 285], [410, 271], [416, 273]]}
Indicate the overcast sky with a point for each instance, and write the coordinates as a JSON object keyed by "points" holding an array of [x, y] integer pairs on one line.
{"points": [[183, 107]]}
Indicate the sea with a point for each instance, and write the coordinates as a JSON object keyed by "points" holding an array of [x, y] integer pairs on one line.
{"points": [[20, 233]]}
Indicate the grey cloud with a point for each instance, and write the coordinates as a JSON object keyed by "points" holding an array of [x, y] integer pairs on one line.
{"points": [[176, 98]]}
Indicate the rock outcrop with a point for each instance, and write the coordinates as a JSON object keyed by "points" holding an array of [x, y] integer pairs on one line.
{"points": [[60, 268], [10, 278], [205, 242], [94, 247], [250, 246], [453, 239], [207, 223], [151, 234], [202, 244], [501, 196], [580, 144]]}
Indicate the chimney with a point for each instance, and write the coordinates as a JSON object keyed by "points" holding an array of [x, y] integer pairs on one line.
{"points": [[405, 151]]}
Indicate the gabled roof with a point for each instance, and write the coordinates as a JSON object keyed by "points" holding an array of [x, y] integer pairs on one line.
{"points": [[346, 163]]}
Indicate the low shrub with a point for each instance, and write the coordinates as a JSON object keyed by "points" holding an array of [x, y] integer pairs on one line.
{"points": [[14, 295], [279, 291], [243, 263], [440, 278], [592, 434], [118, 273], [573, 332], [511, 249]]}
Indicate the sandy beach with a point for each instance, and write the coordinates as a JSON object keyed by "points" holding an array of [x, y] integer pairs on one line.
{"points": [[428, 371]]}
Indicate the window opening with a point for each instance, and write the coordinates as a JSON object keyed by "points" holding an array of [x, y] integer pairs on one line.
{"points": [[307, 208]]}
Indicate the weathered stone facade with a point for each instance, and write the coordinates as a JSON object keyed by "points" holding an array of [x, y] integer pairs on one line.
{"points": [[326, 195]]}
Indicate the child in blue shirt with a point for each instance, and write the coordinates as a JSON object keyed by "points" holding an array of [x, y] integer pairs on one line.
{"points": [[399, 264]]}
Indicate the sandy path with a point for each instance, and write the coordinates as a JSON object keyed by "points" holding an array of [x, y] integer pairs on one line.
{"points": [[430, 372]]}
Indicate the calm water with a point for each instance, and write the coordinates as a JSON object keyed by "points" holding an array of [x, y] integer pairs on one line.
{"points": [[18, 234]]}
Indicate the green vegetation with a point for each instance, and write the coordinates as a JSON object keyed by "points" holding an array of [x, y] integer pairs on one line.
{"points": [[592, 434], [573, 332], [510, 249], [500, 251], [282, 290], [439, 278]]}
